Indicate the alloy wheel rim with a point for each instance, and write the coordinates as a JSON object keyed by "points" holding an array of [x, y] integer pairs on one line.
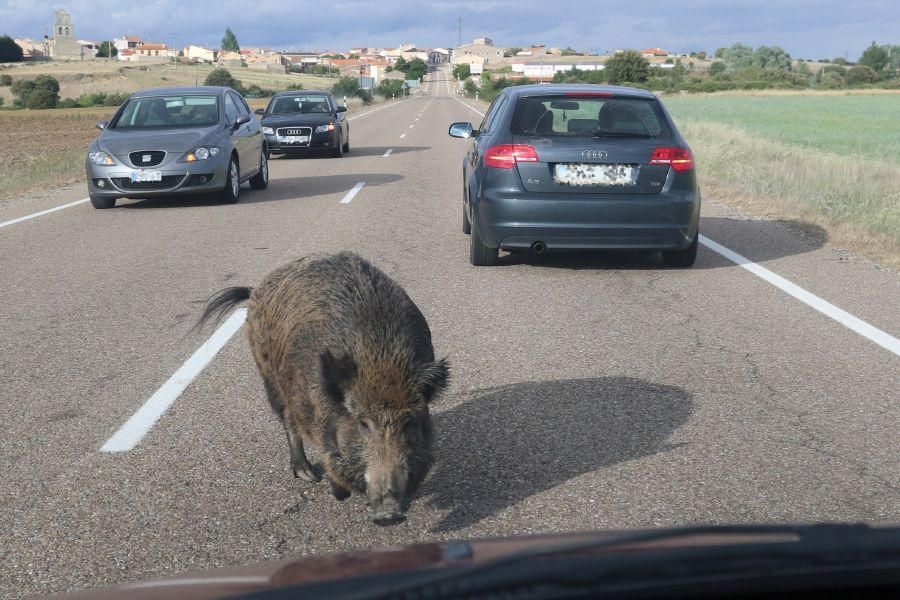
{"points": [[235, 185]]}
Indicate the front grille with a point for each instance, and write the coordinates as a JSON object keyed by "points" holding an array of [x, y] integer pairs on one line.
{"points": [[146, 158], [293, 131], [168, 181]]}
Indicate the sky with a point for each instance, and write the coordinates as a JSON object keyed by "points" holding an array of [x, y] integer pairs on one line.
{"points": [[805, 28]]}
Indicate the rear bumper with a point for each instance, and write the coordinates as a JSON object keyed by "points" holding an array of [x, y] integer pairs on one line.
{"points": [[664, 221]]}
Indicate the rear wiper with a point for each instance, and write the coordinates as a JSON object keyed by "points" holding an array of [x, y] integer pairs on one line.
{"points": [[583, 565], [622, 134]]}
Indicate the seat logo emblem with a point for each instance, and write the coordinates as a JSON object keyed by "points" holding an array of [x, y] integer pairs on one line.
{"points": [[594, 154]]}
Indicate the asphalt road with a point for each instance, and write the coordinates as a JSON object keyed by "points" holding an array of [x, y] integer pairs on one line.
{"points": [[588, 392]]}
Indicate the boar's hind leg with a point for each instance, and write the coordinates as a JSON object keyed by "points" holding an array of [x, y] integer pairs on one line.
{"points": [[299, 463]]}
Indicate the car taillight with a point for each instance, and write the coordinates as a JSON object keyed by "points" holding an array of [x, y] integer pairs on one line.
{"points": [[680, 159], [505, 156]]}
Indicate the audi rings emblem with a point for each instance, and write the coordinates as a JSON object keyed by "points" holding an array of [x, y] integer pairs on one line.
{"points": [[595, 154]]}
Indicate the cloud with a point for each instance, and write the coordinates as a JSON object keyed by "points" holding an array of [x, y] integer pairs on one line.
{"points": [[806, 28]]}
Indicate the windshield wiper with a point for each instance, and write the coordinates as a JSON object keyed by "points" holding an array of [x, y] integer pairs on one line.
{"points": [[824, 554]]}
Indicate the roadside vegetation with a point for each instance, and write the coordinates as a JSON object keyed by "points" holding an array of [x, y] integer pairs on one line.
{"points": [[820, 158]]}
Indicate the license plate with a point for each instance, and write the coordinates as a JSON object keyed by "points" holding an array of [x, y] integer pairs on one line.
{"points": [[293, 139], [145, 175], [586, 174]]}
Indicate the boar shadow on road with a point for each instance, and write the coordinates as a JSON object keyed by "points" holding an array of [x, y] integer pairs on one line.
{"points": [[508, 443]]}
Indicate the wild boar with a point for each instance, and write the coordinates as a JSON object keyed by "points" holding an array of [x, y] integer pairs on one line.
{"points": [[348, 365]]}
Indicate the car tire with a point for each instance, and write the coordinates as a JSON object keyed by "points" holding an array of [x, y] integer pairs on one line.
{"points": [[467, 226], [338, 151], [101, 203], [682, 258], [232, 191], [347, 144], [479, 254], [260, 181]]}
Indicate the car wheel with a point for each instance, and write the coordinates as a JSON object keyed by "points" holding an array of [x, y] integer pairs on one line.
{"points": [[479, 254], [100, 202], [260, 181], [338, 151], [682, 258], [467, 227], [347, 143], [232, 184]]}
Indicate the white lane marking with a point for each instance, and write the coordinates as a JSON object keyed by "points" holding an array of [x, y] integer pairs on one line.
{"points": [[42, 212], [143, 420], [352, 193], [387, 152], [402, 135], [369, 112], [870, 332], [227, 579], [411, 126]]}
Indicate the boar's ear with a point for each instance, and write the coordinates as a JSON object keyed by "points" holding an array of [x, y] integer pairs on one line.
{"points": [[433, 378], [337, 373]]}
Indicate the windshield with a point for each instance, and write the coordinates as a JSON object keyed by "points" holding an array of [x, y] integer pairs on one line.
{"points": [[588, 116], [161, 112], [300, 104]]}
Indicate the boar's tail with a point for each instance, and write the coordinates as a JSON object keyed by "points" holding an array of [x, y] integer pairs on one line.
{"points": [[221, 302]]}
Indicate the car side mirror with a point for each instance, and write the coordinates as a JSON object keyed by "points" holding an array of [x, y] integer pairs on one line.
{"points": [[102, 124], [462, 130], [241, 120], [260, 111], [341, 109]]}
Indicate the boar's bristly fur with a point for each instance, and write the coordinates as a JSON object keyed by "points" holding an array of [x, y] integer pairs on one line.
{"points": [[348, 365]]}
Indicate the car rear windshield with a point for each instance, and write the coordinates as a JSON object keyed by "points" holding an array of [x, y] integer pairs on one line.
{"points": [[589, 116], [300, 104], [158, 112]]}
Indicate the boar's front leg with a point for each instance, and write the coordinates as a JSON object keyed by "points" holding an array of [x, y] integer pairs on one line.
{"points": [[299, 462], [340, 492]]}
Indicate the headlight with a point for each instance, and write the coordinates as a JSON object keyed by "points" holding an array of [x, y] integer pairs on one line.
{"points": [[268, 131], [201, 153], [101, 158], [324, 128]]}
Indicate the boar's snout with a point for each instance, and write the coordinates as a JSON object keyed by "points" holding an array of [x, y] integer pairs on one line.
{"points": [[389, 512]]}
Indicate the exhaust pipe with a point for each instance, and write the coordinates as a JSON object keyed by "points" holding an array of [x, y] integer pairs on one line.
{"points": [[538, 247]]}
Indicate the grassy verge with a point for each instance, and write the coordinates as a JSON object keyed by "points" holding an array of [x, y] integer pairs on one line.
{"points": [[857, 201]]}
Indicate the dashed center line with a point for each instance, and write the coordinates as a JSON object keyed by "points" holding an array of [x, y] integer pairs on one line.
{"points": [[352, 193], [388, 152], [411, 126], [402, 135]]}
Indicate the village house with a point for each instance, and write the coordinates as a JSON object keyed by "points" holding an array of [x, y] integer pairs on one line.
{"points": [[199, 53], [127, 42], [482, 48]]}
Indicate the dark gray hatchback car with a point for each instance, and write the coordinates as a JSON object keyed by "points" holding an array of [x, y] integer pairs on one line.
{"points": [[577, 167]]}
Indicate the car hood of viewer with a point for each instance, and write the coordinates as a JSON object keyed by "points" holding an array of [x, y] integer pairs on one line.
{"points": [[119, 142]]}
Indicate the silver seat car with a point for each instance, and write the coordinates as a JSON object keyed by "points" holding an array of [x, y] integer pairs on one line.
{"points": [[175, 142]]}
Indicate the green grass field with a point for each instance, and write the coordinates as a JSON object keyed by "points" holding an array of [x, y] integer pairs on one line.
{"points": [[832, 160], [857, 125]]}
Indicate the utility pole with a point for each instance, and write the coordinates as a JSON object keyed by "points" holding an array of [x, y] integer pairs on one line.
{"points": [[459, 30], [175, 51]]}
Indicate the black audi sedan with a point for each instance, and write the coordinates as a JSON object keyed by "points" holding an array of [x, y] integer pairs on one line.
{"points": [[297, 122], [578, 167]]}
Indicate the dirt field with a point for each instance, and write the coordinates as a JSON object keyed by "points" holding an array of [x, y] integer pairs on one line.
{"points": [[77, 78]]}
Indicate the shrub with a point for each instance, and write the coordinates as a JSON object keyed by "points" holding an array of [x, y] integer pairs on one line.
{"points": [[21, 88], [41, 99], [831, 81], [224, 78], [9, 50], [5, 80], [349, 87], [470, 88], [462, 71], [67, 103], [115, 99], [717, 68], [391, 87], [861, 75], [627, 66], [1, 101]]}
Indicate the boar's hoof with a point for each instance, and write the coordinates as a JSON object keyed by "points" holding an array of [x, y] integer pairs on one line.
{"points": [[340, 493], [306, 473], [388, 518]]}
